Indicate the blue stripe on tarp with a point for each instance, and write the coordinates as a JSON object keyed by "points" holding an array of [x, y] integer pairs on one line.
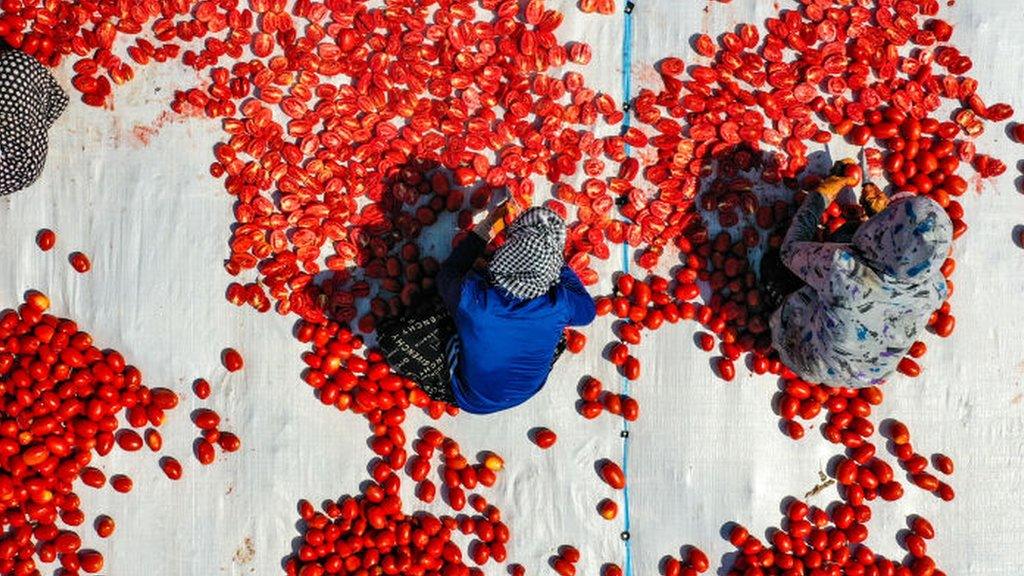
{"points": [[627, 92]]}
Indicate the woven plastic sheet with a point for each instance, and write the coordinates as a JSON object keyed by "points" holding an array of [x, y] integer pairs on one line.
{"points": [[129, 187]]}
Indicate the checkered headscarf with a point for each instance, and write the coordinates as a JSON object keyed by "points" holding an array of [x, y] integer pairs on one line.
{"points": [[530, 261], [30, 101]]}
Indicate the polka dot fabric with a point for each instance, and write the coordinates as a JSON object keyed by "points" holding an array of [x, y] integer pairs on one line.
{"points": [[30, 102]]}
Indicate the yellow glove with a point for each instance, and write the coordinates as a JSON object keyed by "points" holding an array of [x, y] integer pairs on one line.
{"points": [[873, 199], [839, 168], [831, 187]]}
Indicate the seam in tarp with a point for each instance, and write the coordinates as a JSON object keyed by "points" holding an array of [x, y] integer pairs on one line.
{"points": [[627, 82]]}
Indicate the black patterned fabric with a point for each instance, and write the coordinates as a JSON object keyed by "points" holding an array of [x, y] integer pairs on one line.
{"points": [[422, 346], [531, 259], [30, 102], [416, 346]]}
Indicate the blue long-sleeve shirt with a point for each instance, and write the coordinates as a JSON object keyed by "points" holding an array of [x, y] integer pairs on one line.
{"points": [[506, 344]]}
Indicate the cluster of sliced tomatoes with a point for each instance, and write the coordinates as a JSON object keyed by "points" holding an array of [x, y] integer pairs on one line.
{"points": [[876, 74]]}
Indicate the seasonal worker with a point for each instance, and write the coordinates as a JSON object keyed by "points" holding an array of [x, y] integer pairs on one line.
{"points": [[491, 339], [864, 301], [30, 102]]}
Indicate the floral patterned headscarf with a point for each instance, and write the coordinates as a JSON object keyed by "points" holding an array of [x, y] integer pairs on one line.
{"points": [[908, 241]]}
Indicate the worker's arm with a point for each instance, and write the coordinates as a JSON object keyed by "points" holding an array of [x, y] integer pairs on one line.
{"points": [[810, 260], [453, 271], [581, 304]]}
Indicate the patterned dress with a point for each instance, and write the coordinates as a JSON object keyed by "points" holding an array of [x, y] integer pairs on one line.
{"points": [[30, 101], [866, 301]]}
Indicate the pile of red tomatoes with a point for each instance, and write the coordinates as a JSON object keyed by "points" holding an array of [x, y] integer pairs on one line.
{"points": [[64, 403]]}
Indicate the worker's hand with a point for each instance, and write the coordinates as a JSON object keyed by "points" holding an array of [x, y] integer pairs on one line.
{"points": [[831, 186], [843, 168], [873, 199], [486, 228], [494, 222]]}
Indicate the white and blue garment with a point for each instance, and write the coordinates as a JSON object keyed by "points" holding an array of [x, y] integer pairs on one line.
{"points": [[865, 302]]}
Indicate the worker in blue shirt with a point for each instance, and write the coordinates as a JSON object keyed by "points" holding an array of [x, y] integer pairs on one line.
{"points": [[505, 324]]}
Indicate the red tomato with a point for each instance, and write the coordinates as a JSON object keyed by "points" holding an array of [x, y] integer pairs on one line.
{"points": [[570, 554], [898, 433], [232, 360], [612, 570], [544, 438], [37, 300], [891, 491], [608, 509], [915, 545], [204, 452], [206, 419], [943, 463], [624, 284], [630, 333], [612, 474], [575, 341], [80, 262], [917, 349], [630, 408], [171, 467], [631, 368], [922, 528], [563, 567], [698, 560], [46, 239], [726, 369], [909, 367], [104, 526]]}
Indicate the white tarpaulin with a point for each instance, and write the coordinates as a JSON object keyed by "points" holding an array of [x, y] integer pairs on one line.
{"points": [[130, 187]]}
